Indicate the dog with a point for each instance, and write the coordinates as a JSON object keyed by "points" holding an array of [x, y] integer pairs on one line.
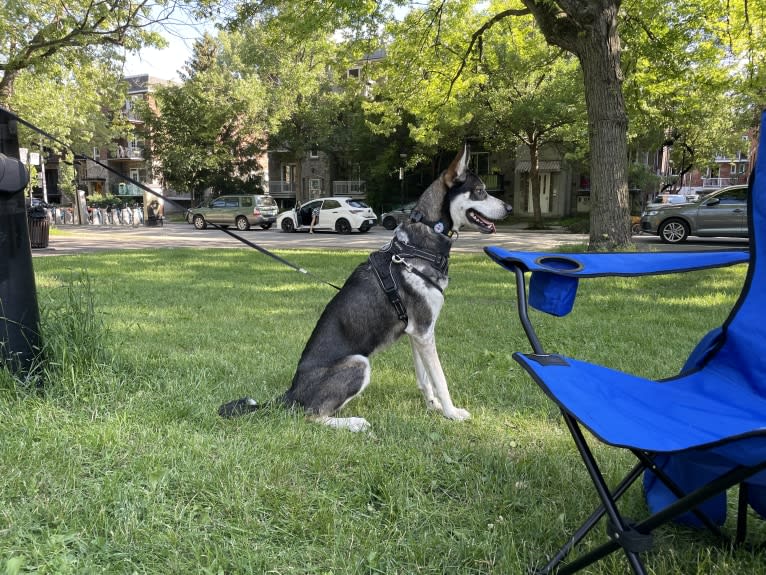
{"points": [[399, 290]]}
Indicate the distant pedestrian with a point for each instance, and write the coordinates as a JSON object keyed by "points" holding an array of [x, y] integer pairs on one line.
{"points": [[314, 219]]}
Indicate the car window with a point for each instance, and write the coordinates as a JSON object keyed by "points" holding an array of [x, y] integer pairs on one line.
{"points": [[357, 204], [246, 202], [735, 196], [265, 201], [312, 205], [218, 203], [330, 204]]}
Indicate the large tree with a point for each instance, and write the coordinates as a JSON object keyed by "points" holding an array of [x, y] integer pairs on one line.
{"points": [[208, 131], [589, 30]]}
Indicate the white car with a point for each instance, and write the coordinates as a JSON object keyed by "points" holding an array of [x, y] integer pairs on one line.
{"points": [[336, 213]]}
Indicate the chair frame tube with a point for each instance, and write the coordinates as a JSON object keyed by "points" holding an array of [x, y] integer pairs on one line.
{"points": [[687, 502]]}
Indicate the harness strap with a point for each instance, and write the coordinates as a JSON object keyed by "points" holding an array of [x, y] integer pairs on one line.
{"points": [[395, 252], [381, 263], [438, 261]]}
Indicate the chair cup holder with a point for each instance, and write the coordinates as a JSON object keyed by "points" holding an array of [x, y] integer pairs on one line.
{"points": [[559, 263], [552, 293]]}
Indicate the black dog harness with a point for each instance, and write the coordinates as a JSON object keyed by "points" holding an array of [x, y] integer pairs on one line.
{"points": [[396, 253]]}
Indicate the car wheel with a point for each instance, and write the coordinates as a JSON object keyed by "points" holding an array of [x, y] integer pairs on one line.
{"points": [[364, 229], [635, 229], [288, 225], [242, 224], [674, 231], [199, 222], [266, 226], [342, 226], [389, 223]]}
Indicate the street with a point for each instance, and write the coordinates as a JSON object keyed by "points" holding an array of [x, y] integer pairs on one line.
{"points": [[75, 239]]}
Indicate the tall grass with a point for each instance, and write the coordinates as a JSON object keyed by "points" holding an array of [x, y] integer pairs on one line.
{"points": [[121, 465]]}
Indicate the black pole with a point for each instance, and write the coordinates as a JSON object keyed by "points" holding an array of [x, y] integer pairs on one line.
{"points": [[19, 314]]}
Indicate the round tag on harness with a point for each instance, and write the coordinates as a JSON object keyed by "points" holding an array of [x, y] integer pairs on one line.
{"points": [[439, 227]]}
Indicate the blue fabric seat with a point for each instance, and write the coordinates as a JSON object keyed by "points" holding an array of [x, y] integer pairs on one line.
{"points": [[694, 435]]}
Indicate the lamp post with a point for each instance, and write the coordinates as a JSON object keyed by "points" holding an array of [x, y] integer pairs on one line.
{"points": [[403, 158]]}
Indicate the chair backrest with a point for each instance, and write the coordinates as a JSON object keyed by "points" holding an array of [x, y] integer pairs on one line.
{"points": [[740, 355]]}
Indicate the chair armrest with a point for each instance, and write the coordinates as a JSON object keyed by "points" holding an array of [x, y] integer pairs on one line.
{"points": [[555, 276], [584, 265]]}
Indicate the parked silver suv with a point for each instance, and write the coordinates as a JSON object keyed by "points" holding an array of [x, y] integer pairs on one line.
{"points": [[722, 213], [240, 211]]}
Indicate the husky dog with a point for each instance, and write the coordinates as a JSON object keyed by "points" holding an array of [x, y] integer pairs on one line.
{"points": [[400, 289]]}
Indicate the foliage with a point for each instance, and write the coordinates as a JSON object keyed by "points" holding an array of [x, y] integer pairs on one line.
{"points": [[209, 131], [73, 33], [684, 74], [61, 62], [70, 104]]}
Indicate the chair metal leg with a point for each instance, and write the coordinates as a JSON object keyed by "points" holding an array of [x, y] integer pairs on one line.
{"points": [[591, 522], [677, 491], [632, 541]]}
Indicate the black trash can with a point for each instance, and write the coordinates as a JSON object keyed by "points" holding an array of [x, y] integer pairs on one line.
{"points": [[39, 229]]}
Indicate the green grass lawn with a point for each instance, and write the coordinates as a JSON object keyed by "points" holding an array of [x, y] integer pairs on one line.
{"points": [[120, 463]]}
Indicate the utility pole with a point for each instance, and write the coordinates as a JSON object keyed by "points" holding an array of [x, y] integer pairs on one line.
{"points": [[19, 314]]}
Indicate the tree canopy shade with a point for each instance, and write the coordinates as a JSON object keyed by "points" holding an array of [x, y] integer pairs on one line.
{"points": [[510, 89]]}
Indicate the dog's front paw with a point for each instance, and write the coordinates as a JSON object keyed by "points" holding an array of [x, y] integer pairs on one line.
{"points": [[358, 424], [457, 414]]}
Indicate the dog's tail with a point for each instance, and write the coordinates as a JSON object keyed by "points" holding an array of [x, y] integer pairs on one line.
{"points": [[239, 407]]}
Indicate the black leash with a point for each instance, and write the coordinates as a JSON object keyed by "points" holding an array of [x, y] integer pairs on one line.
{"points": [[245, 241]]}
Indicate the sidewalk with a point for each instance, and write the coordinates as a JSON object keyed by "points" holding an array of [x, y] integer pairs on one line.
{"points": [[77, 239]]}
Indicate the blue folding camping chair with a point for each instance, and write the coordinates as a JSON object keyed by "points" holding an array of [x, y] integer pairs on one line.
{"points": [[694, 435]]}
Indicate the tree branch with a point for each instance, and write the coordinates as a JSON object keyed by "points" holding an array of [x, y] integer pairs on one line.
{"points": [[477, 35]]}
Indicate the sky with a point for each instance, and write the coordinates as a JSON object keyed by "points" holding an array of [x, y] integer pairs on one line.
{"points": [[164, 63]]}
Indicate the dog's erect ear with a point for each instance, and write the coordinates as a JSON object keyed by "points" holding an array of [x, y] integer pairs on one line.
{"points": [[457, 170]]}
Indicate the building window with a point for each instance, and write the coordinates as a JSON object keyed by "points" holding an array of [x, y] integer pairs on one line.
{"points": [[354, 73], [479, 163], [314, 153]]}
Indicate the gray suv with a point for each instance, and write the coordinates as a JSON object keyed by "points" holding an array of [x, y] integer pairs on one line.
{"points": [[240, 211], [722, 213]]}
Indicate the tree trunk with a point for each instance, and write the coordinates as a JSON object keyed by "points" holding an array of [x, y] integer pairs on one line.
{"points": [[599, 55], [6, 87], [589, 31]]}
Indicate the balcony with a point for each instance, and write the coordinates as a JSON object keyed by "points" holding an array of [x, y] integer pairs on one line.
{"points": [[715, 183], [127, 153], [493, 182], [125, 189], [279, 189], [352, 188]]}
